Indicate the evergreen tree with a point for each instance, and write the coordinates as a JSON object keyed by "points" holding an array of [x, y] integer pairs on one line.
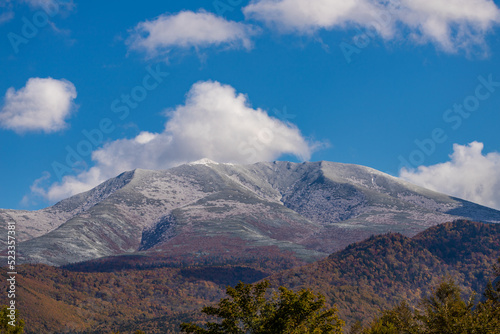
{"points": [[446, 312], [400, 319]]}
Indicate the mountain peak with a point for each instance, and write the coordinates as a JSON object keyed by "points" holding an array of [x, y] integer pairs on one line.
{"points": [[204, 161]]}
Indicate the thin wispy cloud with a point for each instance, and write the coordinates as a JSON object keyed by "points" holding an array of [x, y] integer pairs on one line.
{"points": [[215, 122], [469, 175], [186, 30], [451, 25], [7, 12], [6, 16], [51, 6], [43, 104], [40, 3]]}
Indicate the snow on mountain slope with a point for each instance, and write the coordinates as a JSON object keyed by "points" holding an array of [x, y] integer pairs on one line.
{"points": [[305, 210], [32, 224]]}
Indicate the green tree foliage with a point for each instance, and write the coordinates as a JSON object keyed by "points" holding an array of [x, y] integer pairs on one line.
{"points": [[248, 311], [446, 312], [5, 327], [400, 319]]}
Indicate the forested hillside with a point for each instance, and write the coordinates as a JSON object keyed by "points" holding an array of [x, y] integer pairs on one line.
{"points": [[156, 295]]}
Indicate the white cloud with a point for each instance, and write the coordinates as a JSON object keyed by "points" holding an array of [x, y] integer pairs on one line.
{"points": [[186, 30], [215, 123], [42, 105], [308, 16], [469, 175], [449, 24]]}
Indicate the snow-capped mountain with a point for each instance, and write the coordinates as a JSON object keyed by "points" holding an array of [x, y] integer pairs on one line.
{"points": [[303, 210]]}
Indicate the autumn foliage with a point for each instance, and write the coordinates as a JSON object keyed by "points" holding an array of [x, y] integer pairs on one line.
{"points": [[156, 295]]}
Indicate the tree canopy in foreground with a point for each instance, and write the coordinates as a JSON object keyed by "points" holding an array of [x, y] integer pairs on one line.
{"points": [[247, 311]]}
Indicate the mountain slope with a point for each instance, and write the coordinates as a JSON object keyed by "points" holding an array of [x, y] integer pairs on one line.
{"points": [[296, 210], [32, 224]]}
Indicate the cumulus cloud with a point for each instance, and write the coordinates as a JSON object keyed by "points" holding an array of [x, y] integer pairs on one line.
{"points": [[186, 30], [469, 174], [449, 24], [43, 104], [215, 122]]}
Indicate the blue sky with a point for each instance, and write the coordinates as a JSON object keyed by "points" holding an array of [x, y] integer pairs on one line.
{"points": [[361, 82]]}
